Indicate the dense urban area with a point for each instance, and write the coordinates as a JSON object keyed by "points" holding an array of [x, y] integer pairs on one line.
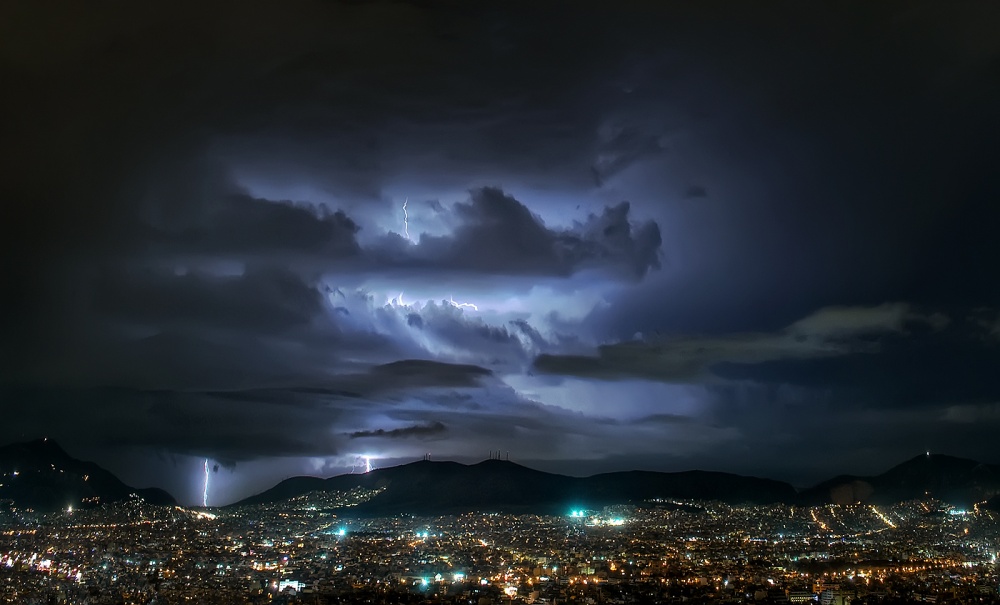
{"points": [[310, 549]]}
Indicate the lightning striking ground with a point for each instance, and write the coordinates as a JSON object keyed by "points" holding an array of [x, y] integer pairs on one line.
{"points": [[204, 495], [364, 463]]}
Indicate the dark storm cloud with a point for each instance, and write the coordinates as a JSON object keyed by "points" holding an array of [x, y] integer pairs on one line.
{"points": [[829, 332], [417, 373], [668, 419], [417, 430], [241, 225], [150, 328], [491, 233], [931, 370], [228, 429], [258, 299], [298, 420], [453, 328], [538, 342], [818, 432], [620, 146], [499, 234], [695, 192]]}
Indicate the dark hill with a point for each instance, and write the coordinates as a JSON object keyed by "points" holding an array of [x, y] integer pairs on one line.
{"points": [[692, 485], [429, 488], [958, 481], [48, 479]]}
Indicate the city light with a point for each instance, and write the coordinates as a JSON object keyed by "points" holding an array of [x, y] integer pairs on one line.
{"points": [[530, 557]]}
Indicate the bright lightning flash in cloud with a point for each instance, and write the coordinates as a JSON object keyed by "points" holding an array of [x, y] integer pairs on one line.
{"points": [[399, 299], [459, 305], [365, 464]]}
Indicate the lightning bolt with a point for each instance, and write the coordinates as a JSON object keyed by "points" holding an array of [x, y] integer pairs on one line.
{"points": [[399, 299], [367, 460], [459, 305], [406, 219], [204, 495]]}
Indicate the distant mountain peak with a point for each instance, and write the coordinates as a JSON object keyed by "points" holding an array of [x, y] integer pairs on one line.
{"points": [[41, 444], [959, 481]]}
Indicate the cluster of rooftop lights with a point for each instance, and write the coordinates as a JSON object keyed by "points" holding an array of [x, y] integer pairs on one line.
{"points": [[455, 577], [596, 519]]}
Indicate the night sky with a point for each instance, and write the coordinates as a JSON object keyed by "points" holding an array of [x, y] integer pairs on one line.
{"points": [[757, 237]]}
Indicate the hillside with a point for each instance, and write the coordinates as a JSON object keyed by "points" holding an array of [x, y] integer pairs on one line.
{"points": [[40, 475], [427, 487], [958, 481]]}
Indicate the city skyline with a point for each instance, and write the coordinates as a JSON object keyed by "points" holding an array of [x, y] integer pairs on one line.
{"points": [[640, 235]]}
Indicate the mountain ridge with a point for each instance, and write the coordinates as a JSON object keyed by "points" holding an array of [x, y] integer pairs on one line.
{"points": [[40, 475], [503, 486], [959, 481]]}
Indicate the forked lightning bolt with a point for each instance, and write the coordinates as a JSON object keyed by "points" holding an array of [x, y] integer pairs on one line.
{"points": [[406, 219]]}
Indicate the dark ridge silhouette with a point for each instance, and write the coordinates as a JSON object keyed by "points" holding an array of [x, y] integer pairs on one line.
{"points": [[691, 485], [992, 504], [49, 479], [428, 488], [957, 481]]}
